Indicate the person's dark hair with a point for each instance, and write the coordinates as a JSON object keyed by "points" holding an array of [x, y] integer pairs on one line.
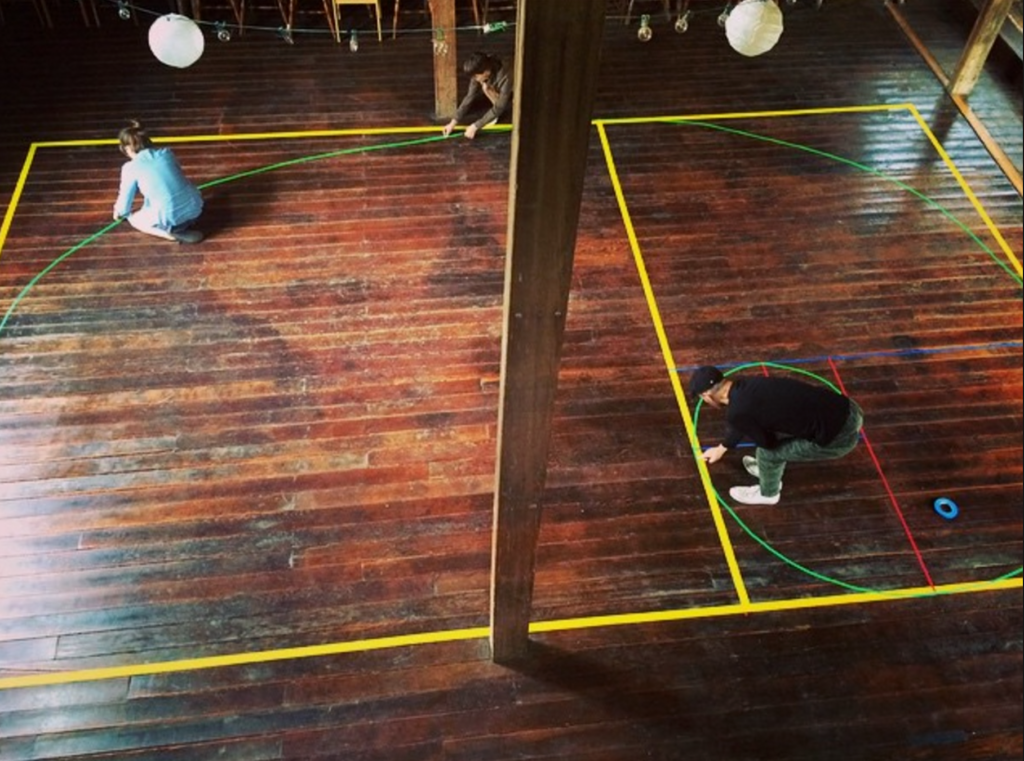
{"points": [[479, 62], [134, 136]]}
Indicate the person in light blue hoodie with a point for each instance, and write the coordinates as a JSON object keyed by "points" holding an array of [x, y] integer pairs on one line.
{"points": [[170, 203]]}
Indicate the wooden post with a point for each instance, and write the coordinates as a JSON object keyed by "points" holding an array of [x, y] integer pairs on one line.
{"points": [[446, 75], [556, 67], [983, 36]]}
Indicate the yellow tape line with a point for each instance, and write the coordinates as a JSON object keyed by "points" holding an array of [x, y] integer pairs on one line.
{"points": [[271, 136], [16, 195], [967, 190], [745, 607], [755, 114], [481, 632], [666, 352]]}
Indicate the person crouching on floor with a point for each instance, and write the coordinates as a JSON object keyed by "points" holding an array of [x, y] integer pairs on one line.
{"points": [[170, 202], [788, 420]]}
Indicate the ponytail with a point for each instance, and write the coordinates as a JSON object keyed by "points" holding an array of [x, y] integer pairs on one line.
{"points": [[134, 136]]}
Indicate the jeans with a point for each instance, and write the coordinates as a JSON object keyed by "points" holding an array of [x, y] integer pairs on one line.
{"points": [[772, 462]]}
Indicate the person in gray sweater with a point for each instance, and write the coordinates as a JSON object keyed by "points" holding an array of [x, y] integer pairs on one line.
{"points": [[490, 82]]}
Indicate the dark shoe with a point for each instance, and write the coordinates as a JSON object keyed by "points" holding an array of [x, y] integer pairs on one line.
{"points": [[187, 236]]}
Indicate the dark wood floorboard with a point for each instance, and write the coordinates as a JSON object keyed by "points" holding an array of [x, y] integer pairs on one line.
{"points": [[284, 436]]}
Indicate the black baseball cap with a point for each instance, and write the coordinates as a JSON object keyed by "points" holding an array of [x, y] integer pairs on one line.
{"points": [[704, 379]]}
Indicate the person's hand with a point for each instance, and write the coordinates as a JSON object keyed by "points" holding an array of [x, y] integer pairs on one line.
{"points": [[714, 454], [471, 131], [447, 130]]}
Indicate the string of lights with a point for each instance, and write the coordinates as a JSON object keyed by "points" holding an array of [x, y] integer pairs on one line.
{"points": [[752, 28], [225, 30]]}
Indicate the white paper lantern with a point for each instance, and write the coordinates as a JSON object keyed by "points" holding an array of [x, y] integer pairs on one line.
{"points": [[176, 40], [754, 26]]}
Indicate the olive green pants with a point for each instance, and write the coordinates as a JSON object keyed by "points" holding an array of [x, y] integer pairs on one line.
{"points": [[772, 462]]}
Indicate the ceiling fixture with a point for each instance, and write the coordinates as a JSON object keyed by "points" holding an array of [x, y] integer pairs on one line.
{"points": [[753, 26], [176, 40], [683, 22], [644, 33]]}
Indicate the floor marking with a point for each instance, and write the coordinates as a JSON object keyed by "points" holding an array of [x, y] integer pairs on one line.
{"points": [[967, 190], [962, 348], [1011, 581], [888, 489], [666, 351], [482, 632], [227, 138], [16, 195], [757, 114], [1012, 271]]}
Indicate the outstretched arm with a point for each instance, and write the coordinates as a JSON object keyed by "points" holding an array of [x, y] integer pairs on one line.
{"points": [[467, 103], [126, 193]]}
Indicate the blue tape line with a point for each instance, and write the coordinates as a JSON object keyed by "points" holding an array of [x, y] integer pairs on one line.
{"points": [[880, 353]]}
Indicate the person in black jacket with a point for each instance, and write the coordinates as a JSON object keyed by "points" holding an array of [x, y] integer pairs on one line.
{"points": [[788, 420], [490, 82]]}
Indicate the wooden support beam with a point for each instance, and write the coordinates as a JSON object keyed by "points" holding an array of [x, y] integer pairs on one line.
{"points": [[556, 68], [446, 76], [1000, 156], [983, 36]]}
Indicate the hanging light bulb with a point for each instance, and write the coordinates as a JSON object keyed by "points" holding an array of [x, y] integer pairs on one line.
{"points": [[124, 10], [724, 15], [440, 45], [644, 33], [683, 22], [223, 33], [353, 42]]}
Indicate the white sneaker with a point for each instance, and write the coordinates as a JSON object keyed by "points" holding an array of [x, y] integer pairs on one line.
{"points": [[751, 495], [750, 463]]}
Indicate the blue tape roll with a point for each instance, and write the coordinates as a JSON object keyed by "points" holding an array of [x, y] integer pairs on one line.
{"points": [[946, 508]]}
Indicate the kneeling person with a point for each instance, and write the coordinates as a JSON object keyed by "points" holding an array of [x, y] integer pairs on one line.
{"points": [[490, 82], [170, 202], [788, 420]]}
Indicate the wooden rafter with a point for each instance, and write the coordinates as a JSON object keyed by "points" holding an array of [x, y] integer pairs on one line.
{"points": [[979, 44]]}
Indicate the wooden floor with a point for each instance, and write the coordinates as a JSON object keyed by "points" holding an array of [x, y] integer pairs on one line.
{"points": [[284, 436]]}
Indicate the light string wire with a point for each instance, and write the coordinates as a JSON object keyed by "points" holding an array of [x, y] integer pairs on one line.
{"points": [[216, 26]]}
